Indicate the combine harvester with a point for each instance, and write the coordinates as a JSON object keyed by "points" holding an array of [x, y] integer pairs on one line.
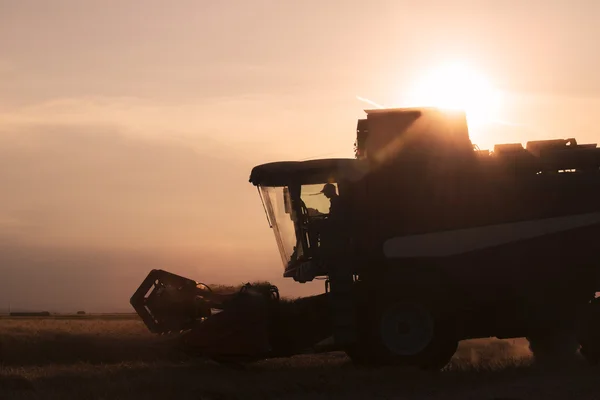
{"points": [[429, 241]]}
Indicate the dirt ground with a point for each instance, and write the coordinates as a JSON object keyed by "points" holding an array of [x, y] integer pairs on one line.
{"points": [[113, 357]]}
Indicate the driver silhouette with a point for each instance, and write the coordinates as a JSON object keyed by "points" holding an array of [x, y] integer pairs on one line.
{"points": [[330, 192]]}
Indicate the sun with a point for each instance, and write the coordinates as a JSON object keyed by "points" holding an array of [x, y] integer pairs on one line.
{"points": [[457, 86]]}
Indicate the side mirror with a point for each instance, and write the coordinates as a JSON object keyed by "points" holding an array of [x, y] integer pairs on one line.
{"points": [[287, 201]]}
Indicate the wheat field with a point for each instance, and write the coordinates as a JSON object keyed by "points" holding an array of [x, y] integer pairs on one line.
{"points": [[110, 357]]}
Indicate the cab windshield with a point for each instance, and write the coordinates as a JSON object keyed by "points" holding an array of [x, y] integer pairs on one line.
{"points": [[282, 219], [294, 215]]}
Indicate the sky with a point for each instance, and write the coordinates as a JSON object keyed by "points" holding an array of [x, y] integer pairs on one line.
{"points": [[128, 129]]}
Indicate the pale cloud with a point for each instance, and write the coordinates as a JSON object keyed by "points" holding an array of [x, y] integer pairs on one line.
{"points": [[257, 128], [87, 185]]}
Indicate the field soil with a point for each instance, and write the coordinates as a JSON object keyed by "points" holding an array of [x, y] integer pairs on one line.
{"points": [[115, 357]]}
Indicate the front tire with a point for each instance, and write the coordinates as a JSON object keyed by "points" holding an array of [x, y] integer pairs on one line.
{"points": [[404, 333], [554, 347]]}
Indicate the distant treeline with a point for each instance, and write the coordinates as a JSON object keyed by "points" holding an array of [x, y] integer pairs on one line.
{"points": [[71, 316], [30, 314]]}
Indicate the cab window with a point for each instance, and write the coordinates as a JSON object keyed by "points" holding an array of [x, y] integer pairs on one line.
{"points": [[315, 201]]}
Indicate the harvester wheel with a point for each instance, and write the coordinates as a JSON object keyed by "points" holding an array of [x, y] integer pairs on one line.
{"points": [[404, 333], [554, 347]]}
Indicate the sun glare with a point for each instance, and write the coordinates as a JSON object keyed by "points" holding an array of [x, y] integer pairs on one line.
{"points": [[456, 86]]}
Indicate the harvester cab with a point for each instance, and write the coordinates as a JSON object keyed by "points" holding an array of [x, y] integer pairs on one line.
{"points": [[299, 211], [292, 191]]}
